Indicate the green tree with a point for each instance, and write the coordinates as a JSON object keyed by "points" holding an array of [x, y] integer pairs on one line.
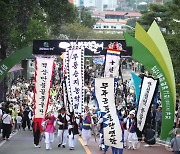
{"points": [[15, 17], [36, 29], [132, 22], [108, 36], [58, 12], [173, 39], [157, 12], [79, 31], [86, 19]]}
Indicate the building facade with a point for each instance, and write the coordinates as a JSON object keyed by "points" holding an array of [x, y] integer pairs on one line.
{"points": [[98, 4]]}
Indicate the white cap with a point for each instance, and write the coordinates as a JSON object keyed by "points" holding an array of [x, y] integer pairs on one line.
{"points": [[132, 112]]}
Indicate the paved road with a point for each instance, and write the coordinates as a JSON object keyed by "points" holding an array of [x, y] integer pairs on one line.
{"points": [[22, 143]]}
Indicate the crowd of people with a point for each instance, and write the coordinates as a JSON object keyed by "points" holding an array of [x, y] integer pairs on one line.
{"points": [[16, 114]]}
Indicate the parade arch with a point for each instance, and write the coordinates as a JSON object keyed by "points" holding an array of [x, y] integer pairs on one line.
{"points": [[149, 48], [12, 60]]}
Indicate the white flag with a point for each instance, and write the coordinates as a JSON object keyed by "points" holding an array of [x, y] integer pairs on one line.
{"points": [[43, 76], [104, 89], [147, 92]]}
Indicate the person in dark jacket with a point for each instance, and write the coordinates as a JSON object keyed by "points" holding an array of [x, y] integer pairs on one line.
{"points": [[73, 131], [62, 121], [26, 120]]}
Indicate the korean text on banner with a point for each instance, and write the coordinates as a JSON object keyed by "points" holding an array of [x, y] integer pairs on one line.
{"points": [[44, 69], [104, 89]]}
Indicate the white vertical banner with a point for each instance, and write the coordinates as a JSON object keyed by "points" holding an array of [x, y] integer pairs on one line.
{"points": [[75, 79], [104, 89], [146, 95], [66, 70], [66, 105], [112, 63], [43, 76]]}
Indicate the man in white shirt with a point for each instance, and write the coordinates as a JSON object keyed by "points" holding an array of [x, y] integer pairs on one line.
{"points": [[7, 124]]}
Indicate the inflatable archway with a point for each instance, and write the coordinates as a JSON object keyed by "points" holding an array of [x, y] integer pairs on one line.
{"points": [[150, 49], [16, 57]]}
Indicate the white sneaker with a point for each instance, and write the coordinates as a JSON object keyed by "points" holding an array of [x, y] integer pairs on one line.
{"points": [[37, 146]]}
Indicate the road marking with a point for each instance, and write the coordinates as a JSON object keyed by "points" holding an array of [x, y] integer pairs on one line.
{"points": [[85, 147], [147, 145], [3, 142]]}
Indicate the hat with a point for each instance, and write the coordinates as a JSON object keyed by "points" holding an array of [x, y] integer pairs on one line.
{"points": [[132, 112]]}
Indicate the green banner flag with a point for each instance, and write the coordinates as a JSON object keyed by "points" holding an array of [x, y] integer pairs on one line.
{"points": [[16, 57]]}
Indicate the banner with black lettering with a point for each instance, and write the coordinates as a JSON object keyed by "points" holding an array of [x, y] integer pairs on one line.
{"points": [[104, 91], [112, 63], [113, 60], [146, 95], [75, 79], [43, 76], [67, 78]]}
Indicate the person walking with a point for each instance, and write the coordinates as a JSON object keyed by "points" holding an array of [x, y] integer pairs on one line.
{"points": [[19, 121], [86, 126], [158, 120], [175, 142], [37, 129], [48, 124], [7, 124], [26, 119], [73, 131], [132, 136], [62, 121]]}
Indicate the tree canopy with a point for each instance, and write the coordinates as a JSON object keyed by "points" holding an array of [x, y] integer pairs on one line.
{"points": [[22, 21]]}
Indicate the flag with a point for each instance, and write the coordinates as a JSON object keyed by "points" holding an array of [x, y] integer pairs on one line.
{"points": [[75, 79], [146, 95], [137, 84], [104, 89], [43, 76], [112, 60]]}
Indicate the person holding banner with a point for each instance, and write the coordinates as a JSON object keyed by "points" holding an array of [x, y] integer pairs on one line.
{"points": [[62, 121], [48, 124], [132, 136], [86, 126], [37, 129], [73, 131]]}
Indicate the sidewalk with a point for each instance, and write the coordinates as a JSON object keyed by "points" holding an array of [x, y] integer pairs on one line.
{"points": [[143, 148]]}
